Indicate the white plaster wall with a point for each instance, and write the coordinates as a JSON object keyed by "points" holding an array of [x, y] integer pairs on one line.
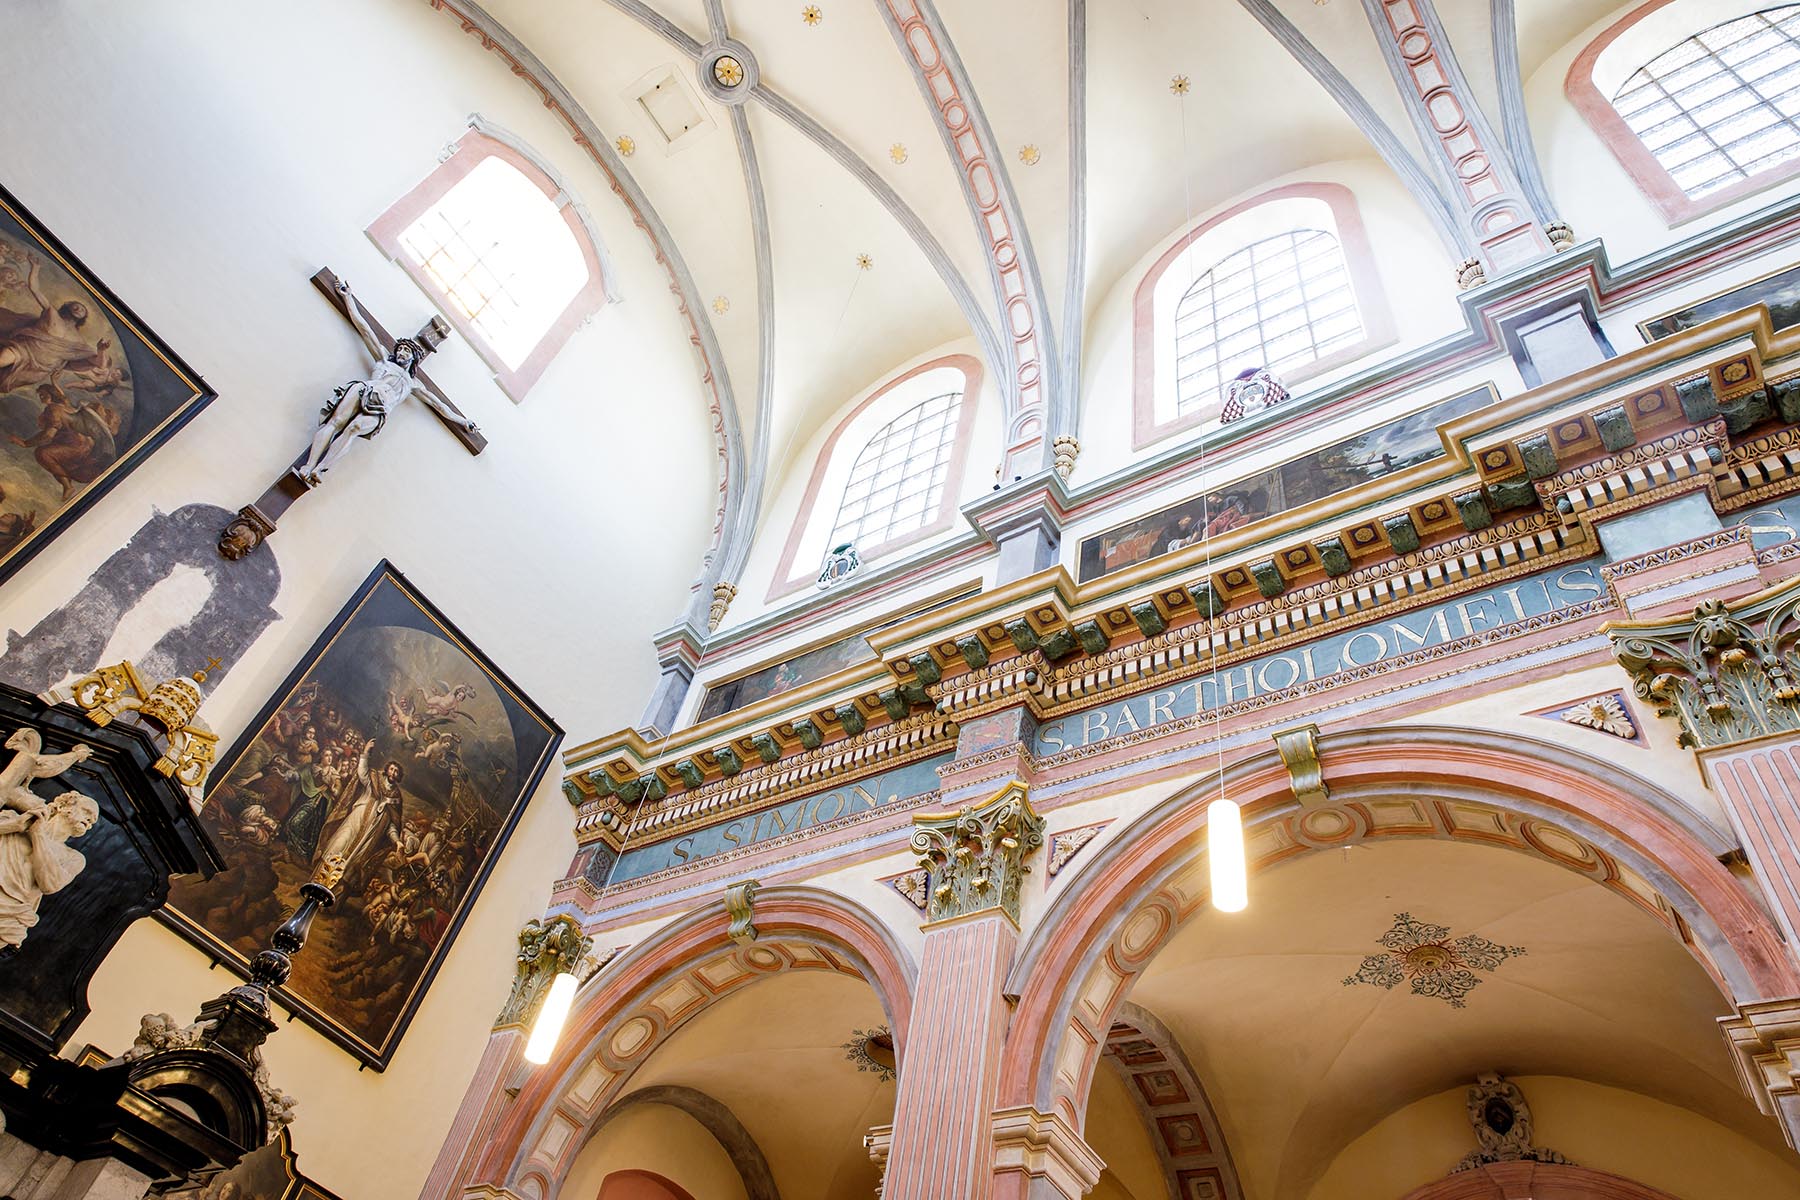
{"points": [[1417, 282], [1599, 1127], [204, 158], [1589, 187]]}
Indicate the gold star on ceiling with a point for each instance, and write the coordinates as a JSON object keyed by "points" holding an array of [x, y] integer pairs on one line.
{"points": [[721, 305], [728, 71], [865, 262], [626, 144], [897, 152], [1029, 155], [811, 14], [1179, 85]]}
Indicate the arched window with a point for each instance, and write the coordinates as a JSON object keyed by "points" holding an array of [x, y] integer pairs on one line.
{"points": [[898, 481], [503, 251], [890, 474], [1700, 111], [1284, 280], [1720, 106], [1278, 303]]}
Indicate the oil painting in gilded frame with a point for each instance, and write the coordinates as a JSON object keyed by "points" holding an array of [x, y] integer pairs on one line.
{"points": [[815, 663], [1401, 443], [1780, 290], [399, 748], [87, 392]]}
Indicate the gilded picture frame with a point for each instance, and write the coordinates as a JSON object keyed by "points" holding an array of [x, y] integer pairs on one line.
{"points": [[397, 749], [87, 390]]}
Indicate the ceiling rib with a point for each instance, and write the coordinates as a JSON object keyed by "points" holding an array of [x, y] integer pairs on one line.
{"points": [[1032, 389], [1423, 188], [496, 37], [847, 158], [1075, 283]]}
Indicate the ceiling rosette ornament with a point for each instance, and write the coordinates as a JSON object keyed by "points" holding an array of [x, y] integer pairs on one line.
{"points": [[1438, 965]]}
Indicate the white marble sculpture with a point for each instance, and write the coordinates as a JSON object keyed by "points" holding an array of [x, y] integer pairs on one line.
{"points": [[360, 408], [35, 858], [29, 762]]}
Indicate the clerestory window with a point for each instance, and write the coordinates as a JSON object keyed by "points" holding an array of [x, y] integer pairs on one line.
{"points": [[1279, 303], [502, 249], [897, 482], [1720, 106]]}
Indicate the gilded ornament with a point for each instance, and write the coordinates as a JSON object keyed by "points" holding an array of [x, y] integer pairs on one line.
{"points": [[897, 152], [1029, 155], [546, 949], [721, 305], [1179, 86], [865, 262], [171, 709], [975, 857], [811, 14], [727, 71], [626, 144], [1604, 713]]}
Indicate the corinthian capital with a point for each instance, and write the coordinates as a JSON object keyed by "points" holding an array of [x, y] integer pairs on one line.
{"points": [[1727, 672], [975, 857]]}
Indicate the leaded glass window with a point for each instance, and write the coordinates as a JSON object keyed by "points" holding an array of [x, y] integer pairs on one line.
{"points": [[1722, 105], [1277, 303], [898, 481]]}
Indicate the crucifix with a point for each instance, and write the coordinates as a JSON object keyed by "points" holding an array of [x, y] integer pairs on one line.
{"points": [[356, 412]]}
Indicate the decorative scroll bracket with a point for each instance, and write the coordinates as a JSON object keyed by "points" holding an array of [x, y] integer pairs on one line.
{"points": [[740, 902], [1299, 749]]}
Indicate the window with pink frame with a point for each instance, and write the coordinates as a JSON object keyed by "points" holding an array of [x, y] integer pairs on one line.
{"points": [[502, 250]]}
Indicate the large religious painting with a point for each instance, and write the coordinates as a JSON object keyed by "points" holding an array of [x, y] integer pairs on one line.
{"points": [[1399, 444], [396, 754], [86, 391], [1780, 291], [803, 668]]}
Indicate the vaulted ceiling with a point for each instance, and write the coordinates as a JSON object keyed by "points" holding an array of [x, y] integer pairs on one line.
{"points": [[829, 151]]}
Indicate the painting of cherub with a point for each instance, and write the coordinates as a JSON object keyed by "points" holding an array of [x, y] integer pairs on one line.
{"points": [[86, 392]]}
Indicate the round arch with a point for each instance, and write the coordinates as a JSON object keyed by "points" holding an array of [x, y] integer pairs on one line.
{"points": [[653, 989], [1079, 964], [1541, 1181]]}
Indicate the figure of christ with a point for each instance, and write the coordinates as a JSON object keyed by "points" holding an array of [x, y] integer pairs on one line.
{"points": [[359, 409], [37, 347], [29, 762], [35, 859], [372, 819], [74, 442]]}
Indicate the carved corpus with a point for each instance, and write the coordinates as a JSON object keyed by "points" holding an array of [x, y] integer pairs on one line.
{"points": [[171, 708], [1727, 672], [975, 858], [546, 949]]}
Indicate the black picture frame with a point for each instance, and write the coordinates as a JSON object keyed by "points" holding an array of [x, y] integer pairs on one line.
{"points": [[168, 392], [533, 760]]}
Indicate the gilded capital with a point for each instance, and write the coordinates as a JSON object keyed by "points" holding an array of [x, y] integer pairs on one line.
{"points": [[1727, 671], [975, 857], [546, 949]]}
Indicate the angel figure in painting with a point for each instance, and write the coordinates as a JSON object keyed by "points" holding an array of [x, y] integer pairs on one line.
{"points": [[35, 858], [29, 762], [37, 347], [360, 408]]}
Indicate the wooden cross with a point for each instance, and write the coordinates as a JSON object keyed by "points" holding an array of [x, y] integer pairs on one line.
{"points": [[255, 522]]}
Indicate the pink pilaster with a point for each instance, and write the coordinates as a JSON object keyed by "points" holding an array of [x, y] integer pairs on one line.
{"points": [[943, 1139], [1759, 783]]}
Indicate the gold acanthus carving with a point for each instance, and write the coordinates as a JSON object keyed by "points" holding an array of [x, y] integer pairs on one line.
{"points": [[975, 857], [1727, 672], [547, 949]]}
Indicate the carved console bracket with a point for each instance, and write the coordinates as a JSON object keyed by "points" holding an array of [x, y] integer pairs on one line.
{"points": [[1765, 1048], [740, 902], [1300, 755], [1727, 673], [975, 857]]}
